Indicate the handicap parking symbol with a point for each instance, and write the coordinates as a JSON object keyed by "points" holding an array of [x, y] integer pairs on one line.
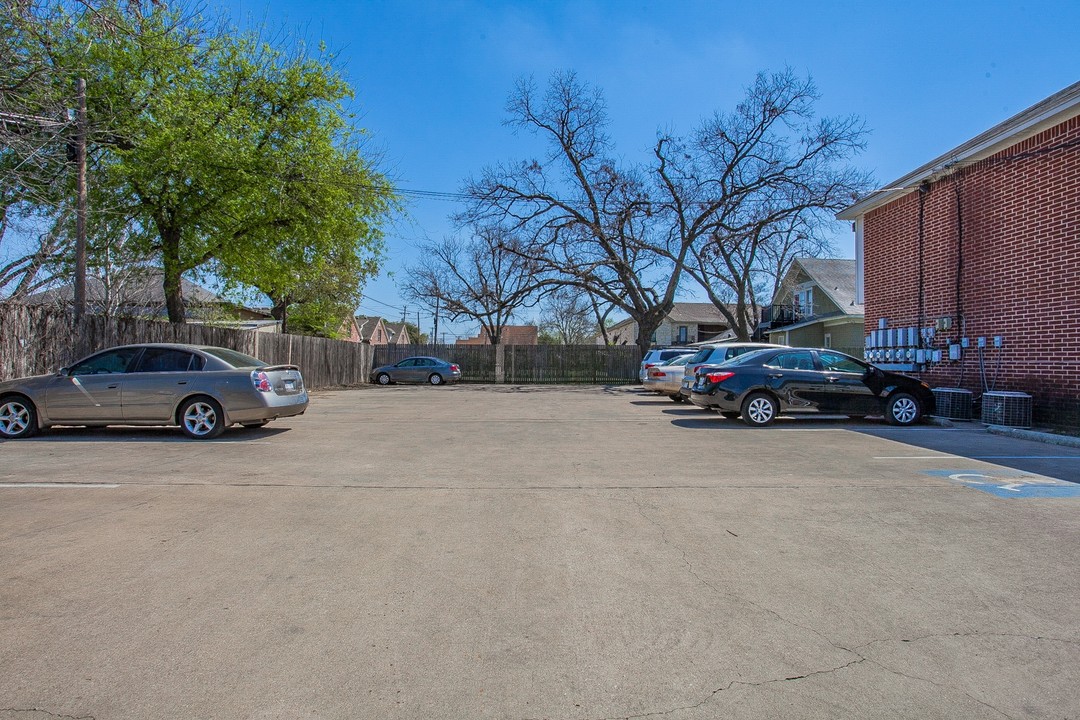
{"points": [[1010, 483]]}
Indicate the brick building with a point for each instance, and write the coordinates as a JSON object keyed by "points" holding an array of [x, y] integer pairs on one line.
{"points": [[982, 242]]}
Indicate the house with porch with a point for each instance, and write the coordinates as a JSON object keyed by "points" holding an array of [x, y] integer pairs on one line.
{"points": [[687, 323], [815, 307]]}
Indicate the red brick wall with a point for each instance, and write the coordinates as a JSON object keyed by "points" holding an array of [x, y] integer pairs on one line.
{"points": [[1020, 211]]}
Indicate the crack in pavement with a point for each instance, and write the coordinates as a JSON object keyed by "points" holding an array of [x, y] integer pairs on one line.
{"points": [[860, 657]]}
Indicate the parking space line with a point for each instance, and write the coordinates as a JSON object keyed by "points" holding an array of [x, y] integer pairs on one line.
{"points": [[63, 486], [978, 457]]}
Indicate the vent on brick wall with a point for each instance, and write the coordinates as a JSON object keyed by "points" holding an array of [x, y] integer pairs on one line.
{"points": [[1011, 409], [952, 403]]}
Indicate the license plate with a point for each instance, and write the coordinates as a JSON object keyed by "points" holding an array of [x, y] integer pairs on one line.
{"points": [[290, 384]]}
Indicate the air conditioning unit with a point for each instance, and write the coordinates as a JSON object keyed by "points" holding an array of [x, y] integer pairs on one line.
{"points": [[1011, 409], [952, 403]]}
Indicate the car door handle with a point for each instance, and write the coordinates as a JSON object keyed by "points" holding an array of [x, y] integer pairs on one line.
{"points": [[113, 386], [774, 376], [181, 382], [833, 379]]}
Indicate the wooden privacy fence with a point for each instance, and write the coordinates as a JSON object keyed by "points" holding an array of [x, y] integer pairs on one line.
{"points": [[37, 340], [529, 364]]}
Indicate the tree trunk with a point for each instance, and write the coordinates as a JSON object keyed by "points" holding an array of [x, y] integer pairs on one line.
{"points": [[170, 264], [280, 312]]}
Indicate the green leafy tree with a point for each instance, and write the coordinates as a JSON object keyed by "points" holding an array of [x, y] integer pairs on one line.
{"points": [[232, 155]]}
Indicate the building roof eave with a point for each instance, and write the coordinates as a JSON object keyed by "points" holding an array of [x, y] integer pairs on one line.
{"points": [[1057, 108]]}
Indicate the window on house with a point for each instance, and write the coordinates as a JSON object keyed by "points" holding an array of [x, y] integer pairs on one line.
{"points": [[828, 340], [804, 302], [682, 333]]}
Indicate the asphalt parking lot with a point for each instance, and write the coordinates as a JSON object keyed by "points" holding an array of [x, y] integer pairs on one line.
{"points": [[538, 552]]}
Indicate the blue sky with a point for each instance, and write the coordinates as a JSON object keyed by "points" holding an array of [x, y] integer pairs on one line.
{"points": [[432, 78]]}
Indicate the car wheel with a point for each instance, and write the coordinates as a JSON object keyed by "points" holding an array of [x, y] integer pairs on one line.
{"points": [[730, 414], [382, 379], [261, 423], [902, 409], [759, 410], [201, 418], [435, 379], [18, 417], [677, 397]]}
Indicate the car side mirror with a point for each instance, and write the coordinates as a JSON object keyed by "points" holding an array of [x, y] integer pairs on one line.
{"points": [[62, 372]]}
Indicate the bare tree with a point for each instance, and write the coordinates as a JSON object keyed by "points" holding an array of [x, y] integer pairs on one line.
{"points": [[585, 220], [706, 207], [744, 190], [486, 278], [567, 315]]}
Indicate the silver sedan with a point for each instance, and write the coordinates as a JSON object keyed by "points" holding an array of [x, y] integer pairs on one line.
{"points": [[667, 379], [201, 389]]}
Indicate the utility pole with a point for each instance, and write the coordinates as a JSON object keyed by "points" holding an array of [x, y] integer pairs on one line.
{"points": [[435, 332], [80, 207]]}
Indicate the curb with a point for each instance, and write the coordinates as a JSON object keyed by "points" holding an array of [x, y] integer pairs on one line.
{"points": [[1051, 438]]}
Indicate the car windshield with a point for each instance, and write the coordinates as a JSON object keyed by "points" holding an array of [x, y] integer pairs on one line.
{"points": [[236, 359], [680, 360]]}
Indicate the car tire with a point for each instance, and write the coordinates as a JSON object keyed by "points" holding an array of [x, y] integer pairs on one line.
{"points": [[382, 379], [730, 414], [903, 409], [435, 379], [18, 417], [759, 410], [201, 418], [677, 397]]}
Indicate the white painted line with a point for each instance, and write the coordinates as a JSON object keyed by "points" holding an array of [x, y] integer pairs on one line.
{"points": [[107, 486], [978, 457], [922, 457]]}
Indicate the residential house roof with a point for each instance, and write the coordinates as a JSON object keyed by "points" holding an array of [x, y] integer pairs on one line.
{"points": [[835, 277], [365, 326], [1041, 116], [398, 333], [141, 292], [510, 335]]}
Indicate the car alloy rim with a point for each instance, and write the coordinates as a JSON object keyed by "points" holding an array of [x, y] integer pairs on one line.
{"points": [[384, 379], [904, 410], [760, 410], [436, 380], [14, 417], [200, 419]]}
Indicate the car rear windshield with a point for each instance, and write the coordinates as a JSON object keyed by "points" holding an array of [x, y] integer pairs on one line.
{"points": [[236, 359], [700, 356]]}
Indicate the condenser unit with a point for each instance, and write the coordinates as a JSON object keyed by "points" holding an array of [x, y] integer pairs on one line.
{"points": [[952, 403], [1011, 409]]}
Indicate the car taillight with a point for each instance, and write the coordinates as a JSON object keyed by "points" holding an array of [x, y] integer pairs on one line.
{"points": [[649, 365], [261, 381], [656, 373], [455, 368], [716, 377]]}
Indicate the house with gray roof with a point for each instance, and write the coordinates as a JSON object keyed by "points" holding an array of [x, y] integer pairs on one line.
{"points": [[816, 306], [687, 323]]}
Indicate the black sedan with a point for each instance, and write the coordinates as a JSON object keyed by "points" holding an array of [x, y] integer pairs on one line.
{"points": [[759, 386]]}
